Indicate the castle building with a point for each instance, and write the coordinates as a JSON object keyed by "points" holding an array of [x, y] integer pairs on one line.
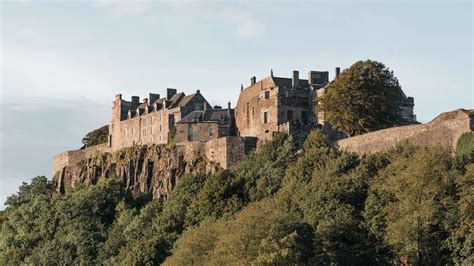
{"points": [[276, 104], [206, 125], [153, 120], [273, 104]]}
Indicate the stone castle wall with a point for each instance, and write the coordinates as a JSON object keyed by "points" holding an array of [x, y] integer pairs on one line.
{"points": [[74, 157], [443, 131], [224, 151]]}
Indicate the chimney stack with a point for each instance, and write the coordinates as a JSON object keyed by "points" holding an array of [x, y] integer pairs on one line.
{"points": [[253, 80], [228, 109], [169, 93], [152, 97], [296, 79], [145, 100], [338, 71], [135, 101]]}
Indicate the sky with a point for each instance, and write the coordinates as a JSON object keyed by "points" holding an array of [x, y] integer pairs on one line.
{"points": [[62, 62]]}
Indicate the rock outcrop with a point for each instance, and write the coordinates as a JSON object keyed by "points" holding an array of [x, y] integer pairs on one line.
{"points": [[143, 169]]}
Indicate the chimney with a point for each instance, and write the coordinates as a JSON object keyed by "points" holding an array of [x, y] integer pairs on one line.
{"points": [[145, 100], [135, 101], [204, 106], [153, 97], [253, 80], [228, 109], [118, 97], [296, 79], [338, 71], [169, 93], [241, 87]]}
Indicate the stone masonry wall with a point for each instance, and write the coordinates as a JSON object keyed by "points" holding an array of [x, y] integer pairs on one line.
{"points": [[74, 157], [443, 131]]}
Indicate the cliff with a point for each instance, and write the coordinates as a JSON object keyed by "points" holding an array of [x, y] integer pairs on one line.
{"points": [[143, 169]]}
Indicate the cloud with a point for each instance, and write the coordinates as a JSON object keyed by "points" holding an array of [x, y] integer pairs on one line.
{"points": [[125, 7]]}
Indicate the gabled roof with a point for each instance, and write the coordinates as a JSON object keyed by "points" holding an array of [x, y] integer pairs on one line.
{"points": [[175, 99], [272, 81], [213, 115], [186, 99], [288, 83]]}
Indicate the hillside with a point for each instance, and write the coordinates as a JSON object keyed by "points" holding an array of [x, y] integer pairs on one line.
{"points": [[278, 206]]}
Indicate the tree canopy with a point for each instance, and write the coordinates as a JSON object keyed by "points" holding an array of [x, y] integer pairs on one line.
{"points": [[277, 207], [362, 99], [95, 137]]}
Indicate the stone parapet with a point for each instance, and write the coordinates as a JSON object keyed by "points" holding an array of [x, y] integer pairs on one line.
{"points": [[443, 131]]}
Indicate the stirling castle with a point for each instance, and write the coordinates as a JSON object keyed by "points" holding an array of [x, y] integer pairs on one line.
{"points": [[186, 130]]}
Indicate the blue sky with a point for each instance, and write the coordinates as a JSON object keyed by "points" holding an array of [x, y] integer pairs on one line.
{"points": [[63, 61]]}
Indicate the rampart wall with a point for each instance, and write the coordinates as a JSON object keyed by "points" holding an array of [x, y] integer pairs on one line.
{"points": [[443, 131], [74, 157], [224, 151]]}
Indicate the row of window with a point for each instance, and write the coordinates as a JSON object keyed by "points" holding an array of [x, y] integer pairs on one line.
{"points": [[150, 120], [131, 131], [131, 143]]}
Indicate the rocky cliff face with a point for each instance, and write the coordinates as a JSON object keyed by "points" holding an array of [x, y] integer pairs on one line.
{"points": [[143, 169]]}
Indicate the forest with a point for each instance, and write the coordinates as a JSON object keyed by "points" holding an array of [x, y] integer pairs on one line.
{"points": [[283, 204]]}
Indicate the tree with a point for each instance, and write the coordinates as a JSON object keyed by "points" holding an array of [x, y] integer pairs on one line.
{"points": [[362, 99], [408, 206], [95, 137]]}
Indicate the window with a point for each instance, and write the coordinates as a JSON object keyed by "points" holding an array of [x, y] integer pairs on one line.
{"points": [[151, 131], [289, 115], [304, 117], [160, 128], [267, 95], [210, 131], [265, 117], [190, 133], [253, 110]]}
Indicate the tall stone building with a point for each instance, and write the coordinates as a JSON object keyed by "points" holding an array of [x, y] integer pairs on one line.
{"points": [[276, 104], [151, 121]]}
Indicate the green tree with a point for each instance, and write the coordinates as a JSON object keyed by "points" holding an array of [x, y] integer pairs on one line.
{"points": [[408, 205], [362, 99], [95, 137]]}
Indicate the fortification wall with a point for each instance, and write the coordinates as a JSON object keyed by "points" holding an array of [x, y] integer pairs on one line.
{"points": [[224, 151], [69, 158], [443, 131]]}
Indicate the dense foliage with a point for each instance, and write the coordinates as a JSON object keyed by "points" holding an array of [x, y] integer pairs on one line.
{"points": [[362, 99], [95, 137], [279, 206]]}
